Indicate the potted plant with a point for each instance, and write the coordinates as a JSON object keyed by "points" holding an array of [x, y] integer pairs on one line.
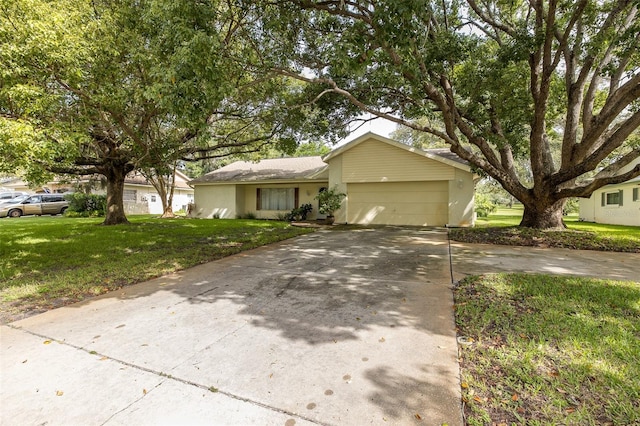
{"points": [[329, 201]]}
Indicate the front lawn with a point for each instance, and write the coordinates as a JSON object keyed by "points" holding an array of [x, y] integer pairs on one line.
{"points": [[48, 262], [549, 350], [501, 228]]}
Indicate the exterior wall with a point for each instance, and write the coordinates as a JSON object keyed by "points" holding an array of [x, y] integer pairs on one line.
{"points": [[306, 194], [374, 161], [628, 213], [145, 197], [215, 201], [461, 203]]}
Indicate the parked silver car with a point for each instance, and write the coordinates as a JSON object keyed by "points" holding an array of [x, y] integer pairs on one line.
{"points": [[38, 204]]}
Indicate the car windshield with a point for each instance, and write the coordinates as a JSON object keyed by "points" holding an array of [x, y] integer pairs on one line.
{"points": [[18, 199]]}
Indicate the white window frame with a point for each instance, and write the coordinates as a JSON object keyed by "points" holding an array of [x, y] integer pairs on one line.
{"points": [[608, 195], [130, 195]]}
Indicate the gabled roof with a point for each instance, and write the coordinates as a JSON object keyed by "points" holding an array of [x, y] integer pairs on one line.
{"points": [[276, 169], [443, 155]]}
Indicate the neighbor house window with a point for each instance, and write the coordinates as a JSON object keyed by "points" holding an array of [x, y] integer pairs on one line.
{"points": [[612, 198], [276, 198], [130, 195], [153, 198], [636, 194]]}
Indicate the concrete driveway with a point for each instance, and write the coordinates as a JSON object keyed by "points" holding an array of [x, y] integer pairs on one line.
{"points": [[345, 328]]}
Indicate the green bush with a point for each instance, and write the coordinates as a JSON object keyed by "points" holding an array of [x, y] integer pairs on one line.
{"points": [[299, 213], [571, 206], [86, 205], [329, 201], [484, 206]]}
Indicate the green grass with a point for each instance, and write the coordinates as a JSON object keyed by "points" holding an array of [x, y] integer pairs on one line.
{"points": [[502, 228], [549, 350], [51, 261]]}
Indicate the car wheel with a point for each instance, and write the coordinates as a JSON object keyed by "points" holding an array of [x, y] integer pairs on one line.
{"points": [[15, 213], [62, 210]]}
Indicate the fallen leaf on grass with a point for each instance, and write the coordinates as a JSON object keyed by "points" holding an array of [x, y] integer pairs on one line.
{"points": [[477, 399], [464, 385], [417, 416], [514, 397]]}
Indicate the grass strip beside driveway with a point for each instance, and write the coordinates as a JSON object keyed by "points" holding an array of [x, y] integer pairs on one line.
{"points": [[549, 350], [502, 228], [49, 262]]}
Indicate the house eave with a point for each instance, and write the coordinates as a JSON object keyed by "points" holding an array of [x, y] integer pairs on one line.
{"points": [[260, 182]]}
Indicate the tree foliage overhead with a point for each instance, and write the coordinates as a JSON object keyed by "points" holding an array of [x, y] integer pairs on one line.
{"points": [[497, 81], [107, 87]]}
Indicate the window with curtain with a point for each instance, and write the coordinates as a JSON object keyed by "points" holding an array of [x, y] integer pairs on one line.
{"points": [[276, 198]]}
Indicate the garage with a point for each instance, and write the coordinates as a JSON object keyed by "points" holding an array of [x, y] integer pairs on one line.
{"points": [[398, 203]]}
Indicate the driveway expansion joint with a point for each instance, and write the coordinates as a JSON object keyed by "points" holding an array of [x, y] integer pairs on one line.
{"points": [[165, 377]]}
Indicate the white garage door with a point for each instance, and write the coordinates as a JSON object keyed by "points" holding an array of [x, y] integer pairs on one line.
{"points": [[398, 203]]}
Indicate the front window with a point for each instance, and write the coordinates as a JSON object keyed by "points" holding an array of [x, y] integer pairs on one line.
{"points": [[276, 198], [130, 195]]}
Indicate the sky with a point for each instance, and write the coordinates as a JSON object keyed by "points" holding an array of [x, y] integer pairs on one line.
{"points": [[379, 126]]}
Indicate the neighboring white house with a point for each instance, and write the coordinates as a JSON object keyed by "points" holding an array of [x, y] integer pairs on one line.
{"points": [[140, 197], [385, 182], [614, 204]]}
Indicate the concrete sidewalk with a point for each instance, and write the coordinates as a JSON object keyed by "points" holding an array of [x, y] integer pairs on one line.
{"points": [[345, 328], [475, 259]]}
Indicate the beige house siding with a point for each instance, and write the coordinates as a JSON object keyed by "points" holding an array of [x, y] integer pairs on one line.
{"points": [[398, 203], [373, 161], [215, 201], [461, 193]]}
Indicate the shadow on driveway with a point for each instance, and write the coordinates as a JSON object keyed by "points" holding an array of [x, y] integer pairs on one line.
{"points": [[336, 327]]}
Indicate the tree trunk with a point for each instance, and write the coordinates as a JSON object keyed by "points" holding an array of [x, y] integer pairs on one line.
{"points": [[168, 212], [542, 215], [115, 174], [168, 201]]}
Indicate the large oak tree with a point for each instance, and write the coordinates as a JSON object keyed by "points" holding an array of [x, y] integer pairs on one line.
{"points": [[497, 81], [107, 87]]}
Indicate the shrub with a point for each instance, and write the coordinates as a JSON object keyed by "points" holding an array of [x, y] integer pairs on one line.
{"points": [[299, 213], [484, 206], [86, 205], [571, 206]]}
